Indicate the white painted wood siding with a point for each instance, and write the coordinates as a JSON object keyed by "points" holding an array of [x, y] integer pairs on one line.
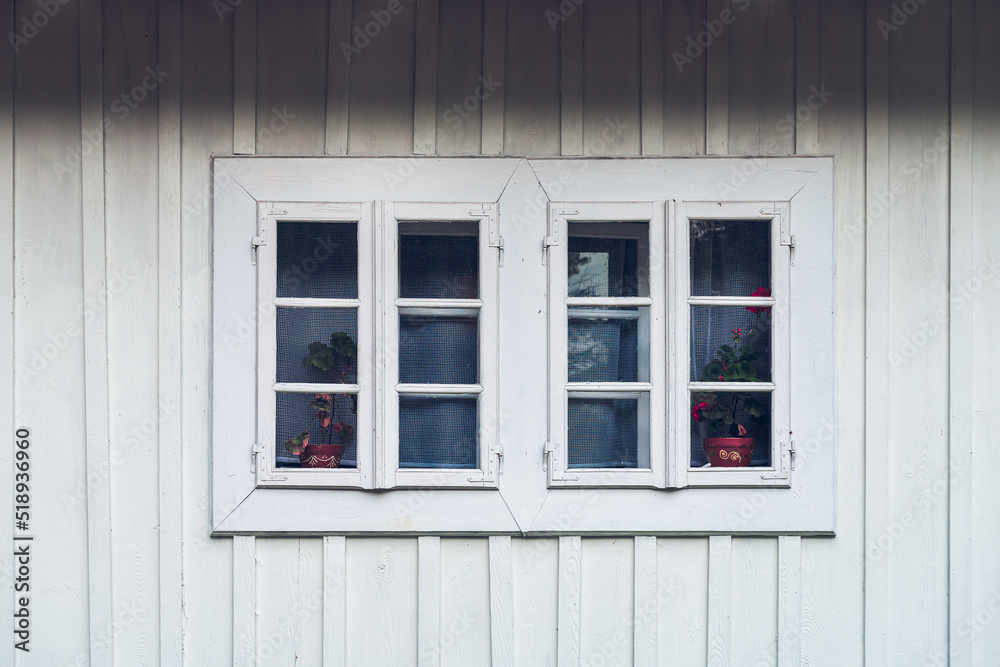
{"points": [[105, 247]]}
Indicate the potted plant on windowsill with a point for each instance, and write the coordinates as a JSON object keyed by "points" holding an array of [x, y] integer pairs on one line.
{"points": [[724, 411], [335, 358]]}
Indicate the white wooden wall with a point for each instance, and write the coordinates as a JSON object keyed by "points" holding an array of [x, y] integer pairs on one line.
{"points": [[105, 266]]}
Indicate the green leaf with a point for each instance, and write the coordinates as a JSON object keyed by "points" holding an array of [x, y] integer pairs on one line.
{"points": [[754, 408]]}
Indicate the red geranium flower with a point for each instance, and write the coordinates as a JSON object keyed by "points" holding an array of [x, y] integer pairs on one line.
{"points": [[760, 291]]}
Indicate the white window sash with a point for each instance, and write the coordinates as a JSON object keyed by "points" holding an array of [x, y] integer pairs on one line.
{"points": [[610, 220], [270, 214], [778, 474], [486, 391]]}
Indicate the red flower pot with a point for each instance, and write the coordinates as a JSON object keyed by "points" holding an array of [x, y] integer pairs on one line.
{"points": [[728, 452], [322, 456]]}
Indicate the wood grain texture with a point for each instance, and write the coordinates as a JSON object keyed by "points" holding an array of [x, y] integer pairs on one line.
{"points": [[494, 69], [382, 597], [535, 600], [466, 631], [425, 79], [612, 118], [789, 652], [461, 61], [684, 84], [532, 114], [169, 389], [244, 602], [429, 576], [381, 104], [651, 44], [761, 78], [807, 45], [338, 77], [334, 601], [717, 82], [245, 78], [571, 82], [569, 601], [292, 57], [99, 559], [832, 616], [289, 604], [754, 587], [682, 597], [7, 421], [501, 600], [131, 84], [646, 602], [607, 600], [877, 289], [206, 129], [720, 601]]}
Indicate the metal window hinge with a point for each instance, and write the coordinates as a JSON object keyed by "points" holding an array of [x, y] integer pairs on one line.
{"points": [[261, 471], [255, 243], [787, 463], [496, 451], [498, 244], [550, 453], [784, 227]]}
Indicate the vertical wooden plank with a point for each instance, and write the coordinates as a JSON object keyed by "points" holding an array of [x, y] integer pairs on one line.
{"points": [[962, 332], [501, 601], [646, 601], [381, 104], [607, 584], [755, 588], [338, 76], [465, 635], [684, 110], [494, 69], [717, 86], [571, 83], [462, 62], [382, 599], [169, 318], [206, 129], [245, 78], [292, 56], [96, 332], [682, 597], [7, 421], [428, 601], [876, 338], [720, 600], [806, 124], [651, 25], [535, 599], [789, 600], [244, 602], [289, 604], [531, 104], [334, 601], [425, 79], [761, 77], [832, 615], [612, 109], [570, 587], [130, 196]]}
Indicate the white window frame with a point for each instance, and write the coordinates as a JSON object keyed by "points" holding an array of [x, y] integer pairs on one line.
{"points": [[518, 498]]}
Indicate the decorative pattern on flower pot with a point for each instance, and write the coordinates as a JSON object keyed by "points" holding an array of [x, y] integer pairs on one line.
{"points": [[322, 456], [728, 452]]}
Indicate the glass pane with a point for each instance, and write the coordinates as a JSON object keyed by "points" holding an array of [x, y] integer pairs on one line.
{"points": [[439, 260], [730, 257], [604, 260], [721, 414], [329, 419], [438, 350], [318, 259], [608, 344], [315, 345], [438, 432], [731, 342], [605, 433]]}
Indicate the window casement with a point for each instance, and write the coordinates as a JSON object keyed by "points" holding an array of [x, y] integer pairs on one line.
{"points": [[523, 346]]}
